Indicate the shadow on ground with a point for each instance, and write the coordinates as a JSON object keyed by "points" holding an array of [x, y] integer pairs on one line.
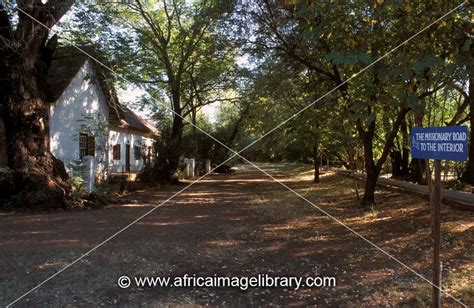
{"points": [[242, 224]]}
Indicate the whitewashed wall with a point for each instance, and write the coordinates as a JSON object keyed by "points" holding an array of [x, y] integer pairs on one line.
{"points": [[81, 98], [124, 137]]}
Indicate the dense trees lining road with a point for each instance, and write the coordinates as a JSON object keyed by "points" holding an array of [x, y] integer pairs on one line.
{"points": [[257, 65]]}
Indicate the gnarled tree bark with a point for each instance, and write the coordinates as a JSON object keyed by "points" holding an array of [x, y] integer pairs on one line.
{"points": [[38, 179]]}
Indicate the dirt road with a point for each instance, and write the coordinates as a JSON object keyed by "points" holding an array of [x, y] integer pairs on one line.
{"points": [[236, 225]]}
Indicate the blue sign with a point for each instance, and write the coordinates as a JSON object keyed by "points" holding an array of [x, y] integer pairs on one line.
{"points": [[444, 143]]}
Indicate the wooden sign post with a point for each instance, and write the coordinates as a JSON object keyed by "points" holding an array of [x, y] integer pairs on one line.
{"points": [[435, 201], [438, 143]]}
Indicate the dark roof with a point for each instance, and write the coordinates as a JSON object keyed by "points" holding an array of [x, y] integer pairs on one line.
{"points": [[128, 119], [66, 64]]}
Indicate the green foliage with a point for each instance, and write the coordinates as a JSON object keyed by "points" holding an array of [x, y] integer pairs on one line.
{"points": [[179, 52], [323, 52], [77, 183], [78, 193], [427, 62], [184, 54], [349, 58]]}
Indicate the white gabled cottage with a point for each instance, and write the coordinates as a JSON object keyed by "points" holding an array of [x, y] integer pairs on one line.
{"points": [[86, 118]]}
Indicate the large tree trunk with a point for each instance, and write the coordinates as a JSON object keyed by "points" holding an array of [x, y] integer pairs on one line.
{"points": [[170, 158], [369, 191], [167, 166], [372, 168], [38, 179]]}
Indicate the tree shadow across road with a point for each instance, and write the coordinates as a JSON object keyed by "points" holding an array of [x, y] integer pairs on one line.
{"points": [[242, 224]]}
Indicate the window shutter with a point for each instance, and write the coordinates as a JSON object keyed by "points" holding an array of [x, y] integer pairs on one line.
{"points": [[116, 152], [91, 145], [138, 152]]}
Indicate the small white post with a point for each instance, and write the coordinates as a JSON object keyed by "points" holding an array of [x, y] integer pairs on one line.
{"points": [[90, 163], [186, 169], [208, 166], [191, 167]]}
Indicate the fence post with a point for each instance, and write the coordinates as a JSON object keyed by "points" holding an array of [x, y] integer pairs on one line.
{"points": [[90, 164], [186, 168], [191, 167]]}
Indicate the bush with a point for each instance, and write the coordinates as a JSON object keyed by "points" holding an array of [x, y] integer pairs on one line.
{"points": [[77, 192]]}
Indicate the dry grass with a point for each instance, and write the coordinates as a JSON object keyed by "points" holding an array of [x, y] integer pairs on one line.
{"points": [[392, 213]]}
